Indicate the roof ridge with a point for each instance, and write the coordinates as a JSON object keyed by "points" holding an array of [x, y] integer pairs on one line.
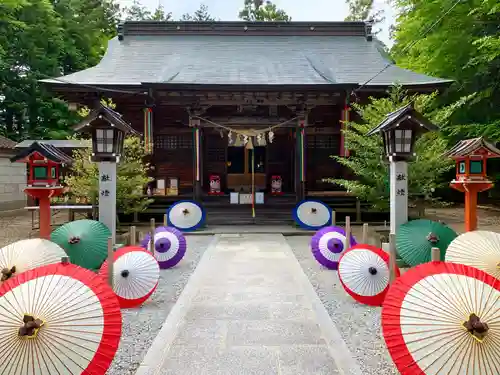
{"points": [[336, 28], [7, 143]]}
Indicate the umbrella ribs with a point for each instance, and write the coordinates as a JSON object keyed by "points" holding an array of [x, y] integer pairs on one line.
{"points": [[30, 326], [475, 327]]}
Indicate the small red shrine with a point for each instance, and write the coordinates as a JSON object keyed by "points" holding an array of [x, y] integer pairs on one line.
{"points": [[44, 162], [471, 156]]}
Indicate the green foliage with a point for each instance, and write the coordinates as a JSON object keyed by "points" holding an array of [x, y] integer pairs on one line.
{"points": [[367, 161], [363, 10], [41, 39], [464, 46], [260, 10], [138, 12], [131, 171], [200, 15]]}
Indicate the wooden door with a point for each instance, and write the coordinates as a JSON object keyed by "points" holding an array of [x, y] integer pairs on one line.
{"points": [[239, 168]]}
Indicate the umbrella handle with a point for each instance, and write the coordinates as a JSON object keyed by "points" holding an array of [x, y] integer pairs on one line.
{"points": [[73, 240], [8, 273], [475, 327], [30, 326], [432, 238]]}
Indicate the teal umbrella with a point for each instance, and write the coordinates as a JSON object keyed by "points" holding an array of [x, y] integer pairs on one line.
{"points": [[416, 238], [85, 242]]}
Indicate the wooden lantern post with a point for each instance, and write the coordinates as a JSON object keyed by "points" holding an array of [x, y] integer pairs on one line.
{"points": [[399, 131], [44, 162], [108, 131], [471, 156]]}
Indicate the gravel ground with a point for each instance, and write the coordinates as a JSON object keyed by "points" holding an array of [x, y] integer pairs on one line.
{"points": [[141, 325], [358, 324]]}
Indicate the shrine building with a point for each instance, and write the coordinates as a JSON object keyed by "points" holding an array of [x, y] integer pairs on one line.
{"points": [[241, 106]]}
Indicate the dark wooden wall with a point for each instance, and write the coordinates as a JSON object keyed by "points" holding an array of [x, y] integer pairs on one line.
{"points": [[280, 158], [214, 157], [322, 141], [174, 143]]}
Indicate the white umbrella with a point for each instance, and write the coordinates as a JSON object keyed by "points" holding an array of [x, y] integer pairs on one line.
{"points": [[28, 254], [479, 249], [185, 215]]}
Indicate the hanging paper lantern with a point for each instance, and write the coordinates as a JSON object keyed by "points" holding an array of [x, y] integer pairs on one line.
{"points": [[364, 273], [25, 255], [186, 215], [328, 244], [312, 214], [169, 246], [135, 275], [479, 249], [58, 319], [443, 318]]}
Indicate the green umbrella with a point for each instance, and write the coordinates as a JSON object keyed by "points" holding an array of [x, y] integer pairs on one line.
{"points": [[416, 238], [85, 242]]}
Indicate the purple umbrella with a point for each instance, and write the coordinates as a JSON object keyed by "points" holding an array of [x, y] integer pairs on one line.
{"points": [[170, 246], [328, 244]]}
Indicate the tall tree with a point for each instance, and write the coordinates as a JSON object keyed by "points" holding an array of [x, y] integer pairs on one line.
{"points": [[160, 15], [138, 12], [41, 39], [366, 161], [260, 10], [200, 15], [464, 46], [364, 10]]}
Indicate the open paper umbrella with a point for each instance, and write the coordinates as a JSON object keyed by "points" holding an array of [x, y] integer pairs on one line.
{"points": [[480, 249], [85, 242], [186, 215], [25, 255], [58, 319], [443, 318], [364, 273], [312, 214], [169, 246], [416, 238], [135, 275], [328, 244]]}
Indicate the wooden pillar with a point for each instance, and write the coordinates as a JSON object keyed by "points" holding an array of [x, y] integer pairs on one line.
{"points": [[470, 208], [343, 124], [148, 129], [194, 123], [300, 175]]}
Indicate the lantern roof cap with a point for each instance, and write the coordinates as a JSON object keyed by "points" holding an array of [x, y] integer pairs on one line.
{"points": [[407, 113], [108, 114], [48, 151], [470, 147]]}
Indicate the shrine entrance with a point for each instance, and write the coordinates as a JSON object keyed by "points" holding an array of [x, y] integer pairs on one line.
{"points": [[246, 169]]}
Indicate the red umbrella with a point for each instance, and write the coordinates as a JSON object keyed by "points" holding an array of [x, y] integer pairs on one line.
{"points": [[135, 275], [443, 318], [364, 273], [58, 319]]}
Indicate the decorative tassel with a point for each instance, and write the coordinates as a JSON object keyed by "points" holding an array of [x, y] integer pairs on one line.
{"points": [[230, 138], [259, 139], [270, 136], [245, 139]]}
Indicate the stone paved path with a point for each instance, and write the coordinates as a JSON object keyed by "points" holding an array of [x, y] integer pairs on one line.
{"points": [[248, 309]]}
